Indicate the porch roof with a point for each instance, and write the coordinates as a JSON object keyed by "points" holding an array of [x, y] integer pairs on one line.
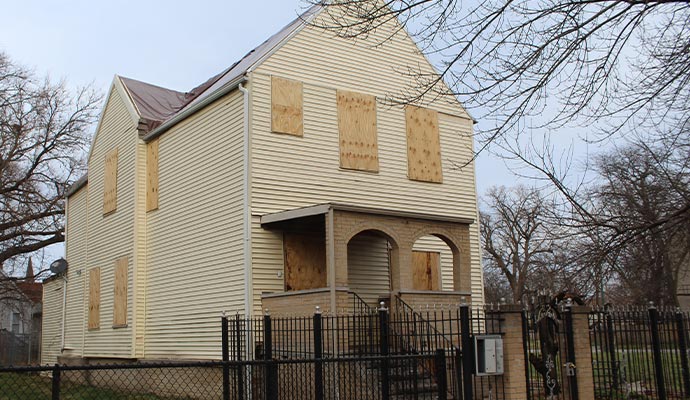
{"points": [[324, 208]]}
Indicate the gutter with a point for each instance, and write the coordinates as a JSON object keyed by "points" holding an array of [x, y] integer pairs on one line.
{"points": [[246, 206], [227, 88]]}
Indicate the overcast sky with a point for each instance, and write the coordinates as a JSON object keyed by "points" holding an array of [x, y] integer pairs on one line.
{"points": [[174, 44]]}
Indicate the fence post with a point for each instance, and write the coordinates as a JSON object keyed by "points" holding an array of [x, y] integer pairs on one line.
{"points": [[271, 372], [680, 330], [225, 350], [570, 348], [238, 357], [318, 355], [385, 362], [441, 378], [467, 352], [613, 355], [55, 390], [656, 347]]}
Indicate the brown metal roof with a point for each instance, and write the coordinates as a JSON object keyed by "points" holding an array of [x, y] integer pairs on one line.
{"points": [[157, 105]]}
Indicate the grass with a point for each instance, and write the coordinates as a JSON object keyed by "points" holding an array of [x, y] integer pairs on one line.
{"points": [[32, 386], [639, 368]]}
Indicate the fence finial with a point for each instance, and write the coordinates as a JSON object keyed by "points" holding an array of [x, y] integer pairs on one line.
{"points": [[318, 310], [382, 305], [651, 305], [266, 312]]}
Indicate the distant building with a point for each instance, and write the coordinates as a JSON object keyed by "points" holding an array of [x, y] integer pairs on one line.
{"points": [[20, 318]]}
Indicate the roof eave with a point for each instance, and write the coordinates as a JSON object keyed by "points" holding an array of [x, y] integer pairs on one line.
{"points": [[227, 88]]}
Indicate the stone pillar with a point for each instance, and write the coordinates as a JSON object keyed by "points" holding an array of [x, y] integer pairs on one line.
{"points": [[514, 380]]}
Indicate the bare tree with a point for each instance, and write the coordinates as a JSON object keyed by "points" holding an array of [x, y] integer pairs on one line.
{"points": [[42, 141], [520, 65], [640, 210], [518, 242]]}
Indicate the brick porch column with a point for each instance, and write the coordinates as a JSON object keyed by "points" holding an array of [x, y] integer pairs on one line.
{"points": [[401, 267], [462, 261]]}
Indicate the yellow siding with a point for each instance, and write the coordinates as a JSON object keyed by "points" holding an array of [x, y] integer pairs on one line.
{"points": [[111, 236], [290, 172], [51, 335], [139, 267], [194, 238], [368, 273], [267, 262], [75, 253]]}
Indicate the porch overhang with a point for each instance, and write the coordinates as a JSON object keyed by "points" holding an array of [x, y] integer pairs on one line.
{"points": [[322, 209]]}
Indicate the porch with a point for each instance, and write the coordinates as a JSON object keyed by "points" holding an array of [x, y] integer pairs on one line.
{"points": [[336, 255]]}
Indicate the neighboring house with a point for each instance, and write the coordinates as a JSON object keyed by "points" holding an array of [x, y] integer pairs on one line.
{"points": [[284, 182], [20, 318]]}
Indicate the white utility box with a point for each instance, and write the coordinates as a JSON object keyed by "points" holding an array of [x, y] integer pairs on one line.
{"points": [[488, 355]]}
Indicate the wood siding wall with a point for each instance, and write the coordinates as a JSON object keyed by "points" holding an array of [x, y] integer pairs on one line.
{"points": [[368, 274], [75, 253], [290, 172], [194, 238], [51, 334], [111, 236]]}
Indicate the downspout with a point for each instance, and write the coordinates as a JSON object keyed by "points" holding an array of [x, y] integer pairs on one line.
{"points": [[63, 328], [246, 206], [64, 312]]}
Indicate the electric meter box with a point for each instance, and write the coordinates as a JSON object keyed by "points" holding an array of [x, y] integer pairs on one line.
{"points": [[488, 355]]}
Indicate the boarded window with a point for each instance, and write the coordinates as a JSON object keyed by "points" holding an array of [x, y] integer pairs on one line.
{"points": [[357, 127], [95, 298], [425, 270], [110, 182], [120, 293], [286, 106], [423, 145], [305, 261], [152, 175]]}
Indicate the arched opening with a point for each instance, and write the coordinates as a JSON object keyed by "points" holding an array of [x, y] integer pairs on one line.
{"points": [[432, 264], [370, 256]]}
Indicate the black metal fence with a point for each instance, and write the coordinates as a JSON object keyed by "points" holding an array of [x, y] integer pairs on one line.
{"points": [[640, 353], [407, 353]]}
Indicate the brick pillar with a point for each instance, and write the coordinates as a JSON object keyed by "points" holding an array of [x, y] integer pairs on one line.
{"points": [[462, 261], [583, 352], [514, 381], [401, 267]]}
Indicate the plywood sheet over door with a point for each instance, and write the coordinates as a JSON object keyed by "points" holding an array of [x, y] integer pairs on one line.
{"points": [[305, 260], [425, 270]]}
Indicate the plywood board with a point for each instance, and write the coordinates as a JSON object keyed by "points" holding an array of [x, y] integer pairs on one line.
{"points": [[120, 292], [305, 261], [110, 182], [425, 270], [423, 145], [94, 298], [357, 127], [286, 106], [152, 175]]}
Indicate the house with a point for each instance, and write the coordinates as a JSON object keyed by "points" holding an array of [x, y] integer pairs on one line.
{"points": [[285, 182], [20, 318]]}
